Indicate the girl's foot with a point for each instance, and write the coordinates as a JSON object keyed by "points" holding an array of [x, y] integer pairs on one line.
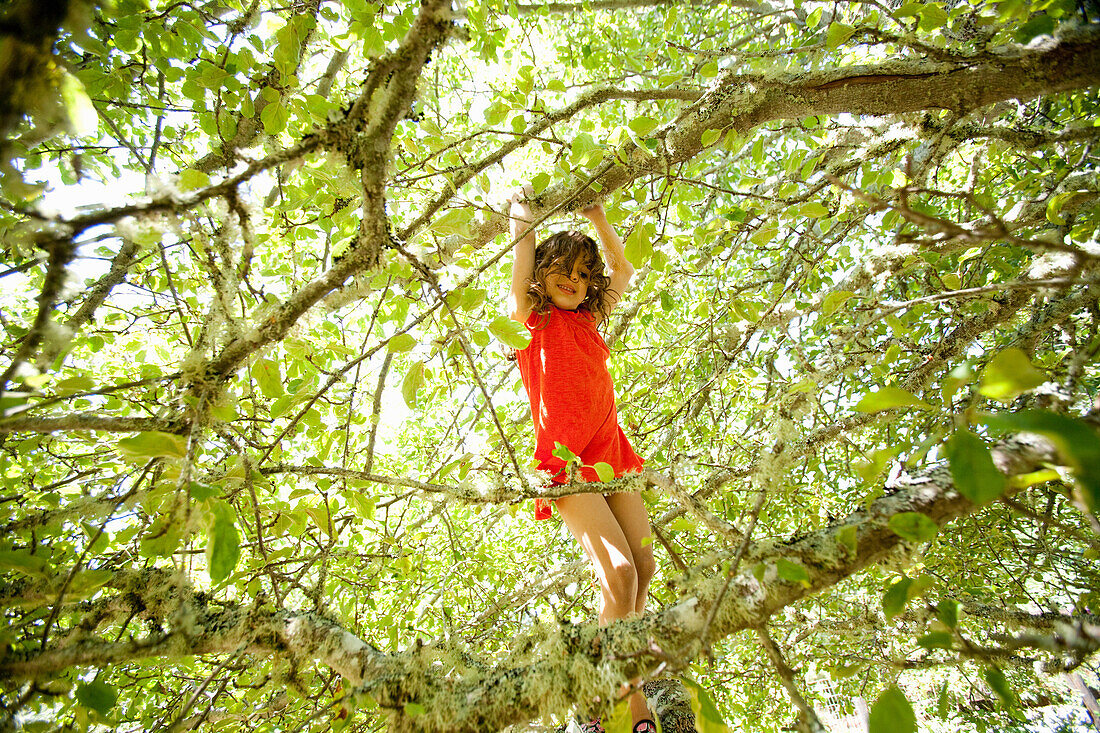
{"points": [[645, 726], [593, 726]]}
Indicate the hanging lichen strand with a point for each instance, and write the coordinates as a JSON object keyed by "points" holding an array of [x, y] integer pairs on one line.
{"points": [[264, 454]]}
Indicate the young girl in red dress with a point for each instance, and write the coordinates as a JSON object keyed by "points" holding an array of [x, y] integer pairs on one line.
{"points": [[561, 294]]}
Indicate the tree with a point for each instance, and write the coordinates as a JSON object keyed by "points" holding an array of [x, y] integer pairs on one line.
{"points": [[264, 455]]}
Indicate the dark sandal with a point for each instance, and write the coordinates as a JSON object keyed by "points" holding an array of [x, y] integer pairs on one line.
{"points": [[645, 726], [592, 726]]}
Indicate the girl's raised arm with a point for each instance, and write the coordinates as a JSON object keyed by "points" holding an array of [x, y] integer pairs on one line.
{"points": [[619, 269], [523, 266]]}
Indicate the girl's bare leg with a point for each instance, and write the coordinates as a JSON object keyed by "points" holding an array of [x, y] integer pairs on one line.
{"points": [[590, 519], [633, 519], [610, 530]]}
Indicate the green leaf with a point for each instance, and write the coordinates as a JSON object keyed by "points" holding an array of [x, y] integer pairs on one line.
{"points": [[190, 179], [972, 467], [1039, 25], [1077, 443], [562, 451], [895, 598], [833, 301], [620, 719], [401, 343], [995, 678], [892, 713], [266, 374], [510, 333], [97, 696], [937, 640], [414, 709], [1054, 207], [792, 571], [956, 378], [79, 110], [154, 444], [837, 34], [707, 717], [943, 701], [709, 137], [814, 210], [540, 182], [455, 222], [932, 16], [914, 527], [638, 246], [1008, 375], [87, 582], [224, 549], [947, 611], [23, 561], [848, 536], [889, 398], [274, 115], [604, 471], [643, 125], [414, 380], [682, 524]]}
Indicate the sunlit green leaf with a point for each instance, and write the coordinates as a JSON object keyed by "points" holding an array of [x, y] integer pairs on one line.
{"points": [[97, 696], [1039, 24], [972, 467], [948, 612], [81, 113], [814, 210], [1008, 375], [895, 597], [834, 300], [995, 678], [643, 125], [707, 717], [190, 179], [510, 333], [936, 640], [956, 378], [889, 398], [23, 562], [914, 527], [604, 471], [224, 547], [838, 34], [1078, 443], [892, 713], [413, 382], [154, 444], [401, 343], [792, 571], [267, 376]]}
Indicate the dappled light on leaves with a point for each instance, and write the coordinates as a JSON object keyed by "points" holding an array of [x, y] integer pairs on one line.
{"points": [[265, 453]]}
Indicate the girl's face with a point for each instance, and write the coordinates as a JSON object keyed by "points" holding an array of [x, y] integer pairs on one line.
{"points": [[567, 285]]}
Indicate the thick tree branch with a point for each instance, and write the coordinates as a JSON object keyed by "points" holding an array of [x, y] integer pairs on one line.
{"points": [[87, 421], [560, 665], [742, 103]]}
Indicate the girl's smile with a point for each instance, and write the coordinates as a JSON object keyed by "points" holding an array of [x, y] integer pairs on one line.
{"points": [[568, 291]]}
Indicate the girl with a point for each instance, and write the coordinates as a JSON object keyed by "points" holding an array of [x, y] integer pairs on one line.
{"points": [[560, 292]]}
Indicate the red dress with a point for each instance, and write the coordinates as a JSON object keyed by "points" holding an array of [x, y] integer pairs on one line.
{"points": [[564, 371]]}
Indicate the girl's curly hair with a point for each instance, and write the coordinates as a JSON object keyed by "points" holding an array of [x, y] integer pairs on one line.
{"points": [[557, 253]]}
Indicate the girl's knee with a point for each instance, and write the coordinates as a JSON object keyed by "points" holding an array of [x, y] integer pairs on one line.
{"points": [[644, 567], [621, 585]]}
